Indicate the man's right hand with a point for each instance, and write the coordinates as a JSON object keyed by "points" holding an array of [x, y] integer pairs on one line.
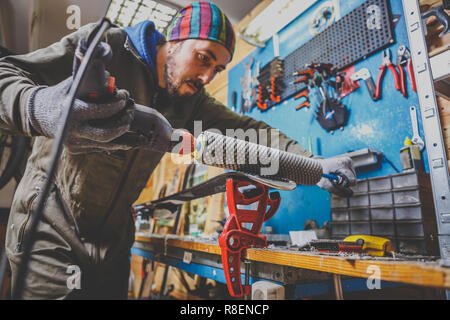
{"points": [[93, 125]]}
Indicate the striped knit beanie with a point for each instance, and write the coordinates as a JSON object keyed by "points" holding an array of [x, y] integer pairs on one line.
{"points": [[202, 20]]}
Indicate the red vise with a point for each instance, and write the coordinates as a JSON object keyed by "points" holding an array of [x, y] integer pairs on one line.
{"points": [[241, 230]]}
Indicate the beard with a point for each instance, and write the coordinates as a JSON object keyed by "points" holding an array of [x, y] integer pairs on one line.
{"points": [[173, 85]]}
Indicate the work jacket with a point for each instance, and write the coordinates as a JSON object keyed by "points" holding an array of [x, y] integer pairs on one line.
{"points": [[96, 190]]}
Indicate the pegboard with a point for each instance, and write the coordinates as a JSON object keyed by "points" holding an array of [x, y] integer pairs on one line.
{"points": [[362, 32], [379, 125]]}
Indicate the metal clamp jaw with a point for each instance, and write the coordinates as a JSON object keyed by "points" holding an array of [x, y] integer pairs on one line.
{"points": [[241, 230]]}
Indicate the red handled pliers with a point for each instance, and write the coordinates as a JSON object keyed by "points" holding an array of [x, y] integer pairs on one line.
{"points": [[404, 57], [386, 63]]}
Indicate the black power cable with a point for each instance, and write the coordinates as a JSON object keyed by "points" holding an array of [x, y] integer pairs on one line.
{"points": [[95, 38]]}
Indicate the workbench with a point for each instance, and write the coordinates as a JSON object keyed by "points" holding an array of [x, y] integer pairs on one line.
{"points": [[308, 271]]}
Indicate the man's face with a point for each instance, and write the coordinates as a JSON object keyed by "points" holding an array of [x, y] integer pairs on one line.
{"points": [[193, 63]]}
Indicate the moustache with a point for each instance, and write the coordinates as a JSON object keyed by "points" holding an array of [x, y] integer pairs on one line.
{"points": [[195, 83]]}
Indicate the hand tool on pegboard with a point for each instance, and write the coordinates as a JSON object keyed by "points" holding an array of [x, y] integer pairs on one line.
{"points": [[404, 58], [255, 84], [263, 96], [331, 113], [364, 74], [246, 84], [276, 84], [305, 103], [271, 84], [348, 85], [304, 74], [306, 77], [327, 71], [234, 100], [386, 64], [416, 139]]}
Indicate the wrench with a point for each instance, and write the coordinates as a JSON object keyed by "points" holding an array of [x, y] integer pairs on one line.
{"points": [[246, 84], [416, 139]]}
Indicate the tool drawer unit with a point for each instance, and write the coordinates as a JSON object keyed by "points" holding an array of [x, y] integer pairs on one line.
{"points": [[398, 207]]}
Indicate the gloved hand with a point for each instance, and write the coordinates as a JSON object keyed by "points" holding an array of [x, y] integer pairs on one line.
{"points": [[342, 166], [112, 118]]}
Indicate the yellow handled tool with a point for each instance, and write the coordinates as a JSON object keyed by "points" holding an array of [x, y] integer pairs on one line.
{"points": [[375, 246]]}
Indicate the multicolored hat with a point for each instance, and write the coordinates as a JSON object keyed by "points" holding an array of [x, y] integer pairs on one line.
{"points": [[202, 20]]}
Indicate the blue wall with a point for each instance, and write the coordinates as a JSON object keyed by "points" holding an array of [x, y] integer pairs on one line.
{"points": [[381, 125]]}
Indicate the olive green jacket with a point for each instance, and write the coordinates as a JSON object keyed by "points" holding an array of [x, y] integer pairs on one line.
{"points": [[97, 189]]}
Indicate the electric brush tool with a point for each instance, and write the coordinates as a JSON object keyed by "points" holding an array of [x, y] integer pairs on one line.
{"points": [[234, 154], [150, 130]]}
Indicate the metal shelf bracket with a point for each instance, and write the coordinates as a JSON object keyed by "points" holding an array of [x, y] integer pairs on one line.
{"points": [[434, 141]]}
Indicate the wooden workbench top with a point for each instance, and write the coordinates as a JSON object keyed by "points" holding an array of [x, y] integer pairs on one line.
{"points": [[411, 271]]}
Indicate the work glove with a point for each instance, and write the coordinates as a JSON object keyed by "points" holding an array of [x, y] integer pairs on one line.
{"points": [[92, 126], [342, 166]]}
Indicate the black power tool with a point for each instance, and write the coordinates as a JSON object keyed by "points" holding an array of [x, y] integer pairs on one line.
{"points": [[148, 128]]}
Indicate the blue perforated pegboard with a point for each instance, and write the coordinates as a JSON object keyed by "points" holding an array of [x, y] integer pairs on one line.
{"points": [[381, 125]]}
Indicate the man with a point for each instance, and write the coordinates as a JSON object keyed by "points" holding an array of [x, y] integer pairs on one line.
{"points": [[86, 224]]}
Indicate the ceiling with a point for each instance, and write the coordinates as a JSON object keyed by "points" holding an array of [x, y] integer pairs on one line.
{"points": [[48, 18], [234, 9]]}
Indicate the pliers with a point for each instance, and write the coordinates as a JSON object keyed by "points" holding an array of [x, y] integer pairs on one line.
{"points": [[404, 57], [386, 63]]}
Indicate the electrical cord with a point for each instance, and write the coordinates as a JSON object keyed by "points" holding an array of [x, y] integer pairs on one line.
{"points": [[95, 38], [390, 163]]}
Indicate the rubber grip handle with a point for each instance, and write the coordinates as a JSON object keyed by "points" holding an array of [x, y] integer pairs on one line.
{"points": [[401, 72], [379, 82], [411, 75], [394, 73], [371, 87]]}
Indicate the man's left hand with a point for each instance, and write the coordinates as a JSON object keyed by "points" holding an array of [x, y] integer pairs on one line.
{"points": [[342, 166]]}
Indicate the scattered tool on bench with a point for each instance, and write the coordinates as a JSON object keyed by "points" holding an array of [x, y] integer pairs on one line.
{"points": [[371, 245], [404, 58], [386, 63]]}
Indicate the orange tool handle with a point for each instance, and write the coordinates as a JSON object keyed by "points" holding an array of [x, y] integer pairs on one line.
{"points": [[304, 104], [304, 93]]}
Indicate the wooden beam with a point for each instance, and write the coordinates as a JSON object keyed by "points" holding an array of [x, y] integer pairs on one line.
{"points": [[196, 246], [410, 272], [428, 274]]}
